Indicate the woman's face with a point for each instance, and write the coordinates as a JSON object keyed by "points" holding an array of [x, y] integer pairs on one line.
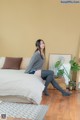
{"points": [[42, 45]]}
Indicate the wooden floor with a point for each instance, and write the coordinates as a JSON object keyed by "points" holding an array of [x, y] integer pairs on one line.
{"points": [[62, 108]]}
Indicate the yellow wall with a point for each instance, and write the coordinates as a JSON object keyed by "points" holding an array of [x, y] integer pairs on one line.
{"points": [[22, 22]]}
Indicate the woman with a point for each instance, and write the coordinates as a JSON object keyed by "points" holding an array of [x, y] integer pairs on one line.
{"points": [[35, 67]]}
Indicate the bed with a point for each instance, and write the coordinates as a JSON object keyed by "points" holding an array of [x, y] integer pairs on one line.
{"points": [[17, 86]]}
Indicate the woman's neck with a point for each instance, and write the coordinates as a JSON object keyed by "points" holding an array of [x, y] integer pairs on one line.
{"points": [[42, 53]]}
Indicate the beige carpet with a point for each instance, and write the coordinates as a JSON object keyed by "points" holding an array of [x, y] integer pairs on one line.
{"points": [[31, 111]]}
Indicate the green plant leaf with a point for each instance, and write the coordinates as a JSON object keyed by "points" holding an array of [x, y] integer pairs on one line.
{"points": [[60, 72], [74, 65], [74, 68], [57, 64]]}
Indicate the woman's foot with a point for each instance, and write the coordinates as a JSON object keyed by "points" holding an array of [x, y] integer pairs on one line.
{"points": [[45, 92], [66, 93]]}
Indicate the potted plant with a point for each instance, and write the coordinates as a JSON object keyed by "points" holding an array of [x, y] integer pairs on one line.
{"points": [[74, 68], [72, 85]]}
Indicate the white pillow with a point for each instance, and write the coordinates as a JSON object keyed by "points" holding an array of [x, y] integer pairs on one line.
{"points": [[24, 63], [2, 60]]}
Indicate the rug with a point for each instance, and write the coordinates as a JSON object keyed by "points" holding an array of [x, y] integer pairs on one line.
{"points": [[19, 110]]}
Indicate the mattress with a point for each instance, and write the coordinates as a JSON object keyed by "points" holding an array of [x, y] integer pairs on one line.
{"points": [[17, 99], [19, 85]]}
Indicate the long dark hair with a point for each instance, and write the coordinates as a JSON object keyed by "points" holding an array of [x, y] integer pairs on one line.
{"points": [[37, 44]]}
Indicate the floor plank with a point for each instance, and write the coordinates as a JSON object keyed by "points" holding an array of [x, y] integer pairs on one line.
{"points": [[62, 108]]}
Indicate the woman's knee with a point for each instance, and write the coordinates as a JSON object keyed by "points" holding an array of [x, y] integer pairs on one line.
{"points": [[50, 78]]}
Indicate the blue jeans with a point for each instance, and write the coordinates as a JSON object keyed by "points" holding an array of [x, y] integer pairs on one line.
{"points": [[32, 72]]}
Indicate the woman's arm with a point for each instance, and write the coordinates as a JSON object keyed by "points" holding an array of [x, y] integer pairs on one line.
{"points": [[33, 60]]}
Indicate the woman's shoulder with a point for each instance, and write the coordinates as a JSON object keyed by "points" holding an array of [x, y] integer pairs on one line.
{"points": [[36, 53]]}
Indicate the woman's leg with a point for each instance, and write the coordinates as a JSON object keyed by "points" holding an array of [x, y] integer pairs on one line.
{"points": [[48, 75]]}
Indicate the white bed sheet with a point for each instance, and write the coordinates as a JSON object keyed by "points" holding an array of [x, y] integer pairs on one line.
{"points": [[16, 82]]}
